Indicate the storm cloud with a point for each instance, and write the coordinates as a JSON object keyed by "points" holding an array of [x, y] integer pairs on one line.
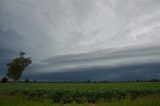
{"points": [[73, 36]]}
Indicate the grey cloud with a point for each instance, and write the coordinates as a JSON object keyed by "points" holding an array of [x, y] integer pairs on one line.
{"points": [[60, 35], [52, 26], [108, 58], [122, 73]]}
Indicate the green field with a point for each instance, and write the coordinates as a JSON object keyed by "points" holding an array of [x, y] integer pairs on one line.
{"points": [[80, 94]]}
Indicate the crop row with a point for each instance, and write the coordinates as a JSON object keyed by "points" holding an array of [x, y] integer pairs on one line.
{"points": [[80, 96]]}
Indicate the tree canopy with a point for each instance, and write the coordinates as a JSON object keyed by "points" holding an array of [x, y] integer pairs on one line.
{"points": [[17, 66], [4, 80]]}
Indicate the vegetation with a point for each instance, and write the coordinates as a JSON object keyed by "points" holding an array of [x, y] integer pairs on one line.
{"points": [[27, 81], [91, 93], [4, 80], [87, 93], [151, 100], [17, 66]]}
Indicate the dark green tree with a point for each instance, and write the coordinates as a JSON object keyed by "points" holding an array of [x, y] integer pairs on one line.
{"points": [[4, 80], [27, 80], [17, 66]]}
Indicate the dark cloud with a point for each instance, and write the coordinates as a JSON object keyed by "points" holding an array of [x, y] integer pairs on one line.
{"points": [[108, 57], [122, 73], [82, 39]]}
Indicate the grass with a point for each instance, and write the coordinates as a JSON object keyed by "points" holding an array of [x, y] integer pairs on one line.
{"points": [[92, 94], [152, 100], [81, 86]]}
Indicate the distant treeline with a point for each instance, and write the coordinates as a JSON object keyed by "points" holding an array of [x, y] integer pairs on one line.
{"points": [[105, 81], [5, 80]]}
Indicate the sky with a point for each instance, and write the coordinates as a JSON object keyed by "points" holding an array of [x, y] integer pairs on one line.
{"points": [[73, 40]]}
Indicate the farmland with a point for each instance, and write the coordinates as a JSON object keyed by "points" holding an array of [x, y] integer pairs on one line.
{"points": [[72, 94]]}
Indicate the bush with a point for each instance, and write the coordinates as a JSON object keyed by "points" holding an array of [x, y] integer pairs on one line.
{"points": [[56, 96], [4, 80], [26, 81], [67, 98], [92, 97], [79, 97]]}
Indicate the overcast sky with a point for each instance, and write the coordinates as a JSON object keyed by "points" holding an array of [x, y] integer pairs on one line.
{"points": [[77, 36]]}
